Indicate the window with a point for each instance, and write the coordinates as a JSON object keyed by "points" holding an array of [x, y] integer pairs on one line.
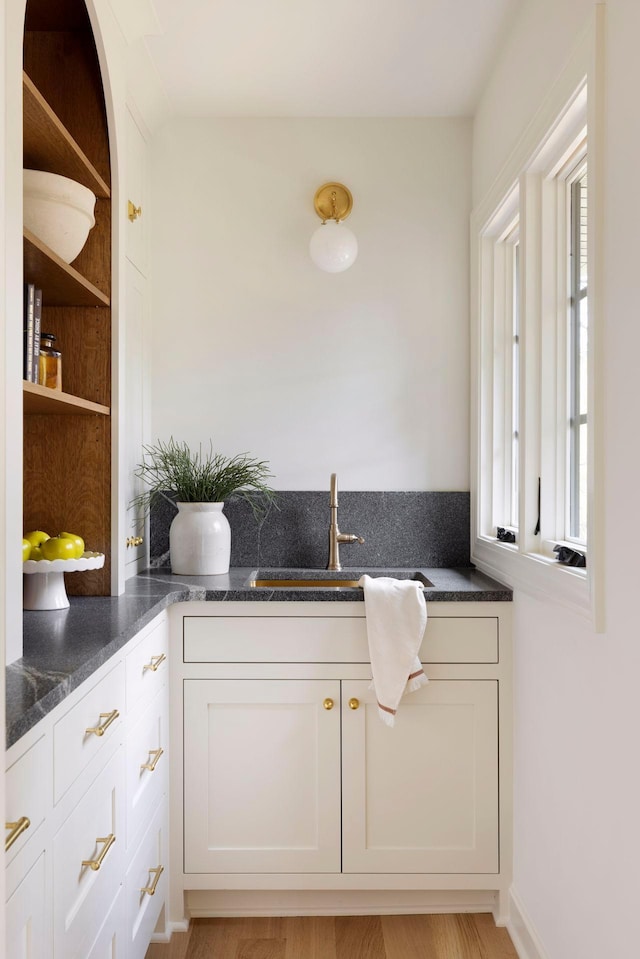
{"points": [[578, 356], [534, 359]]}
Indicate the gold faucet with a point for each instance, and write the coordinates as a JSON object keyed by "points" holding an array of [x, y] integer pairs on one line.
{"points": [[335, 536]]}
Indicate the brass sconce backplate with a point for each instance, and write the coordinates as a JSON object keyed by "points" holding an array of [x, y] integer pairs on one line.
{"points": [[333, 201]]}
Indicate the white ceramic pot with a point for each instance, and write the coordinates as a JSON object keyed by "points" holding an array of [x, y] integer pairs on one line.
{"points": [[200, 540], [59, 211]]}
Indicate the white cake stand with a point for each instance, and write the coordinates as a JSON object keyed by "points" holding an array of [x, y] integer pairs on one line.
{"points": [[44, 579]]}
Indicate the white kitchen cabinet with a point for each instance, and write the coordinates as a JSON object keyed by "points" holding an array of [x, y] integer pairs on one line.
{"points": [[262, 776], [137, 243], [281, 793], [90, 804], [145, 885], [25, 916], [136, 321], [421, 797], [88, 863]]}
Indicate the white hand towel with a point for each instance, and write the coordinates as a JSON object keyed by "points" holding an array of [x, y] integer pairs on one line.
{"points": [[396, 615]]}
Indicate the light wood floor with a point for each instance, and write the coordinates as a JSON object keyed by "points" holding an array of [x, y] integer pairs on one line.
{"points": [[349, 937]]}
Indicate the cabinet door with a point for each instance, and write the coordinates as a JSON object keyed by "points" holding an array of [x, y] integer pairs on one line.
{"points": [[134, 402], [262, 776], [25, 913], [137, 232], [422, 796]]}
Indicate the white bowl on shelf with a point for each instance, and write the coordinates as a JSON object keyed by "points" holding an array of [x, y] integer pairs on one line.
{"points": [[58, 211]]}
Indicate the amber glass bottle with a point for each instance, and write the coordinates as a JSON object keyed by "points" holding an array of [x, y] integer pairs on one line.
{"points": [[49, 363]]}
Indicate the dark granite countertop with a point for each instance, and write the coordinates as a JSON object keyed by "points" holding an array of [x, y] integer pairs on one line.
{"points": [[62, 648]]}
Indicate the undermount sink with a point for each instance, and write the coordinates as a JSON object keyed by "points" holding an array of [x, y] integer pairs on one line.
{"points": [[325, 578]]}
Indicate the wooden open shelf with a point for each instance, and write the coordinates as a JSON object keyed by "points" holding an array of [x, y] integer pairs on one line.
{"points": [[49, 146], [61, 284], [42, 400]]}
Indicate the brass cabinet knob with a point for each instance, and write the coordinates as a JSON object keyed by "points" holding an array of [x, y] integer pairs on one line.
{"points": [[134, 541], [133, 211], [328, 704], [354, 703]]}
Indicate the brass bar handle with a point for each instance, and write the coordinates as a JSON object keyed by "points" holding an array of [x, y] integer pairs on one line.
{"points": [[328, 704], [156, 753], [96, 863], [150, 890], [100, 729], [17, 828], [354, 703], [154, 663], [133, 211]]}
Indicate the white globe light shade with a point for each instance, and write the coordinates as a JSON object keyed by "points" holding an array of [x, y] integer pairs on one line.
{"points": [[333, 247]]}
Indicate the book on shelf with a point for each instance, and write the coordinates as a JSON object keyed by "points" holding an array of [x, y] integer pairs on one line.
{"points": [[28, 328], [37, 319]]}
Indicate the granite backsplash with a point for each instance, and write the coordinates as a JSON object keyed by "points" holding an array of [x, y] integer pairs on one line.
{"points": [[401, 529]]}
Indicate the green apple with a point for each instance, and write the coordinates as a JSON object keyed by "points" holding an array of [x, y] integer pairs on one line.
{"points": [[26, 550], [36, 537], [57, 547], [77, 540], [36, 553]]}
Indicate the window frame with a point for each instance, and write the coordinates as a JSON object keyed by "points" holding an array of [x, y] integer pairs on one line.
{"points": [[536, 170]]}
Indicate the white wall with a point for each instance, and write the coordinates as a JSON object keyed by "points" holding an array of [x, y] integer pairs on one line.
{"points": [[577, 783], [364, 372]]}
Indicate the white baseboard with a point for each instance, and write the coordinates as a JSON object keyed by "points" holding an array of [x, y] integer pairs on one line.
{"points": [[169, 930], [206, 904], [523, 934]]}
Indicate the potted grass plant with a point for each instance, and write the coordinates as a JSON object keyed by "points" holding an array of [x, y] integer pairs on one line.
{"points": [[198, 484]]}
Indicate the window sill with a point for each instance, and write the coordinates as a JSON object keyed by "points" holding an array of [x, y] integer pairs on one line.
{"points": [[537, 575]]}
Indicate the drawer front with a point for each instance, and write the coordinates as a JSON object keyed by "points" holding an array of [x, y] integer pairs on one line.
{"points": [[302, 639], [146, 886], [25, 916], [82, 895], [146, 667], [110, 943], [147, 766], [26, 806], [74, 745]]}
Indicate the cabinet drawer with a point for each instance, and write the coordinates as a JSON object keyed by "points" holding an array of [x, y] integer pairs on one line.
{"points": [[25, 916], [146, 765], [73, 744], [146, 667], [145, 887], [110, 943], [319, 639], [22, 799], [82, 895]]}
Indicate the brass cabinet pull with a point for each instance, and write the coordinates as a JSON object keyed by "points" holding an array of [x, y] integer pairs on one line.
{"points": [[155, 662], [152, 888], [102, 727], [354, 703], [134, 541], [96, 863], [328, 704], [133, 211], [17, 828], [156, 753]]}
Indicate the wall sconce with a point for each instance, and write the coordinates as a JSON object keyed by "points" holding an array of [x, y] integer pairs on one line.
{"points": [[333, 247]]}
